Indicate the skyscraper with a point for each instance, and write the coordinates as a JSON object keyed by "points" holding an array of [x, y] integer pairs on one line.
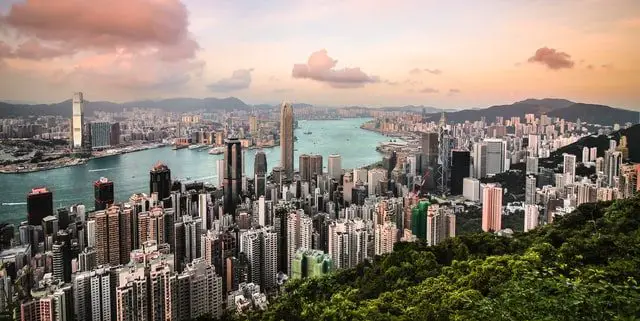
{"points": [[460, 163], [335, 166], [530, 190], [160, 180], [260, 247], [532, 165], [304, 164], [569, 169], [108, 236], [315, 165], [286, 139], [479, 160], [531, 214], [495, 158], [232, 175], [419, 219], [492, 208], [220, 168], [39, 205], [260, 163], [441, 223], [103, 193], [77, 120], [299, 231], [310, 263]]}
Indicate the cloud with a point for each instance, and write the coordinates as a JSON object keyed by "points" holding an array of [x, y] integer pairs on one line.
{"points": [[552, 58], [282, 90], [418, 71], [33, 49], [429, 90], [454, 91], [390, 83], [607, 66], [590, 67], [320, 67], [434, 71], [158, 25], [240, 79], [413, 82], [5, 50]]}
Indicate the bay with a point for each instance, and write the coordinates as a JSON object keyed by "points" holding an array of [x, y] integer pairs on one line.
{"points": [[130, 172]]}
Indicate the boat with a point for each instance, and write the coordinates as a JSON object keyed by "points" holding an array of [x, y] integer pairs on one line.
{"points": [[308, 133], [216, 150], [192, 147], [179, 146]]}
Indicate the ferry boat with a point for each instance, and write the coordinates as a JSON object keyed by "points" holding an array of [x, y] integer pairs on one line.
{"points": [[216, 150], [308, 133], [192, 147]]}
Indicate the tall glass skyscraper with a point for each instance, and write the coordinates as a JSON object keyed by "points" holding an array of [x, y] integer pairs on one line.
{"points": [[77, 120], [232, 174], [286, 139]]}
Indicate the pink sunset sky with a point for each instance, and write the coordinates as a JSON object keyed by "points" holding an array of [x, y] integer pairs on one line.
{"points": [[450, 54]]}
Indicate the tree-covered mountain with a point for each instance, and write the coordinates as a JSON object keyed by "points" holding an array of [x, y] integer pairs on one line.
{"points": [[584, 266], [589, 113]]}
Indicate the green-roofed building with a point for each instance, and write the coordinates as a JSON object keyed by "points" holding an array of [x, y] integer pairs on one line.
{"points": [[310, 263], [419, 219]]}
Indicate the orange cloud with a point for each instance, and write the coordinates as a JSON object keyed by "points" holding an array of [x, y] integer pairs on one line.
{"points": [[320, 67], [552, 58]]}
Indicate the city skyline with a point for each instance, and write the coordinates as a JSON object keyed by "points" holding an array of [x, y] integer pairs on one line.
{"points": [[394, 53]]}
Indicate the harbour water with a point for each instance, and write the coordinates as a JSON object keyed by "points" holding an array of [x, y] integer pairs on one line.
{"points": [[130, 172]]}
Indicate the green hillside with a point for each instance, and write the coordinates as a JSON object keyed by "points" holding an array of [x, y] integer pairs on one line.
{"points": [[585, 266]]}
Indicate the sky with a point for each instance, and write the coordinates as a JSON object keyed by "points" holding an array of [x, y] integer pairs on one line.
{"points": [[448, 54]]}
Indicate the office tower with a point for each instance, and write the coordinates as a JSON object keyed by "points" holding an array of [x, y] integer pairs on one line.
{"points": [[531, 214], [77, 120], [107, 237], [304, 164], [429, 159], [360, 175], [532, 165], [286, 139], [260, 163], [347, 186], [217, 247], [103, 192], [87, 260], [299, 231], [220, 172], [613, 163], [441, 223], [375, 176], [389, 163], [232, 175], [419, 219], [479, 160], [612, 145], [334, 166], [471, 189], [310, 263], [315, 166], [496, 150], [50, 230], [260, 246], [253, 125], [39, 205], [100, 134], [530, 190], [569, 169], [460, 163], [385, 236], [160, 180], [62, 261], [492, 208]]}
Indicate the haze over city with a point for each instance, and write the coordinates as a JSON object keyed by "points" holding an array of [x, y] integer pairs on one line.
{"points": [[336, 53]]}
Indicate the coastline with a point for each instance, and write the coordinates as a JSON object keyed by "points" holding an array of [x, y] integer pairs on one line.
{"points": [[76, 161]]}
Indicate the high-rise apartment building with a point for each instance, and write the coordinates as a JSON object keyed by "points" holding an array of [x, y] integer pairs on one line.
{"points": [[441, 223], [160, 180], [569, 169], [347, 243], [220, 167], [286, 139], [299, 234], [77, 120], [260, 246], [103, 193], [479, 160], [107, 224], [492, 208], [385, 237], [495, 155], [471, 189], [232, 175], [334, 166], [419, 219], [531, 214], [376, 175], [530, 190], [532, 165]]}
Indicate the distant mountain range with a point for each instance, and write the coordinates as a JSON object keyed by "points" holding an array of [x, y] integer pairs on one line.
{"points": [[562, 108], [566, 109]]}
